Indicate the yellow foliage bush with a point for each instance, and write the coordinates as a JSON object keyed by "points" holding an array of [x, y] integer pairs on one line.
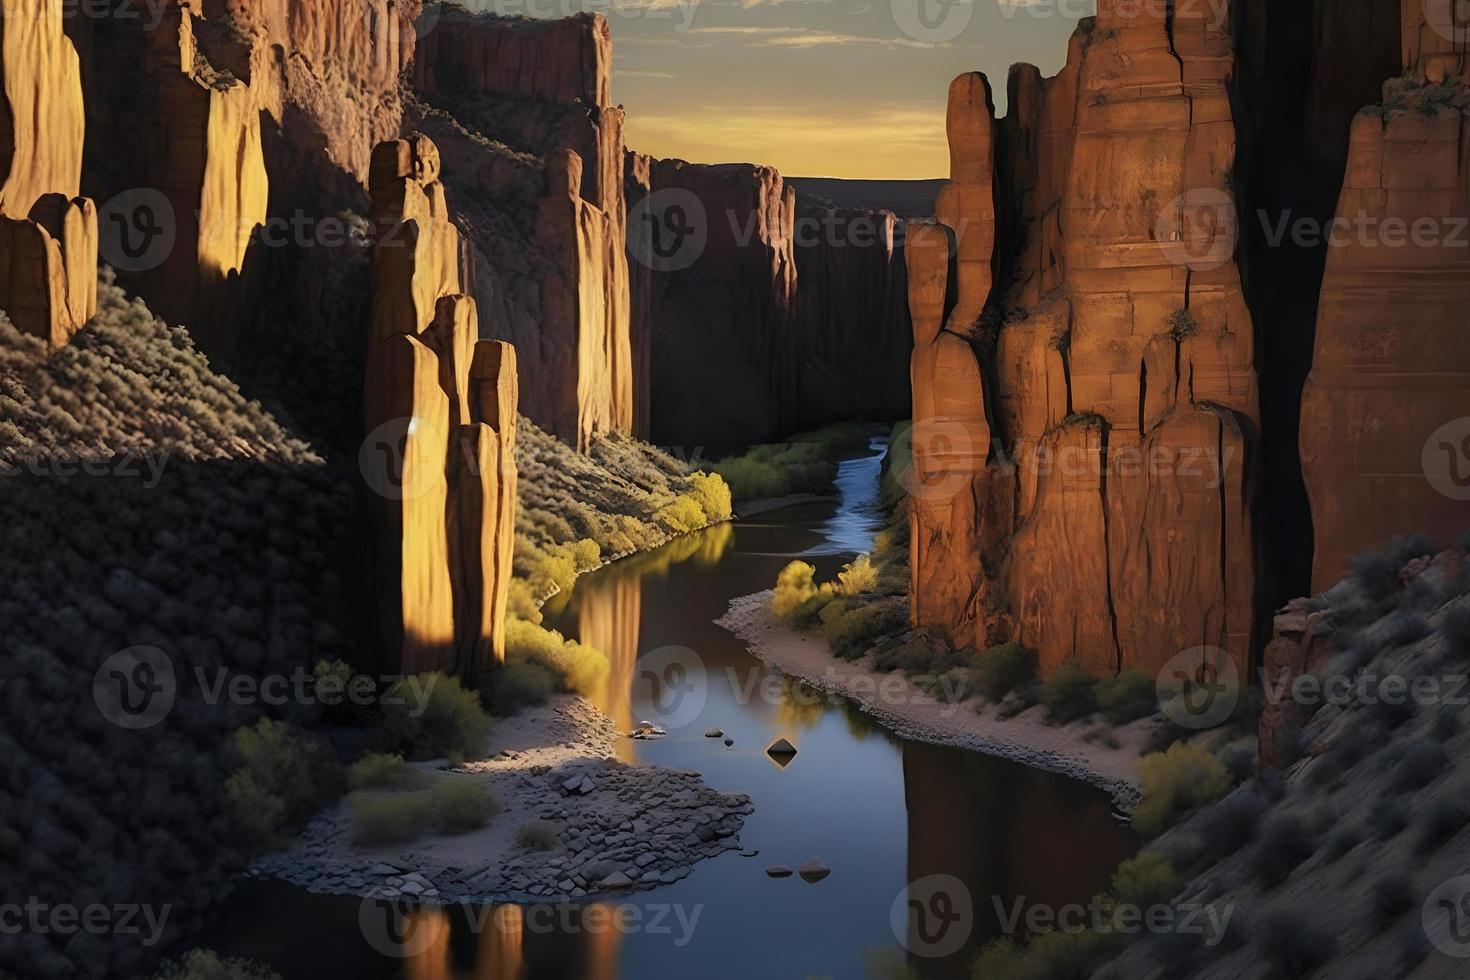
{"points": [[1180, 779], [581, 668], [793, 587]]}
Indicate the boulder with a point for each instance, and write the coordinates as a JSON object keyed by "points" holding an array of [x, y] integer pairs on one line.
{"points": [[813, 871]]}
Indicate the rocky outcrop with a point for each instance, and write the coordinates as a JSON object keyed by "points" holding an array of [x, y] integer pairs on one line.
{"points": [[1385, 442], [48, 232], [440, 409], [1083, 426], [534, 158]]}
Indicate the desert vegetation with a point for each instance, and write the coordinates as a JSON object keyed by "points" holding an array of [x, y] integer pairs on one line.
{"points": [[805, 463]]}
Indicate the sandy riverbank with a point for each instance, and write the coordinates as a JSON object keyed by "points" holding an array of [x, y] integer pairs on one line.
{"points": [[915, 714], [618, 827]]}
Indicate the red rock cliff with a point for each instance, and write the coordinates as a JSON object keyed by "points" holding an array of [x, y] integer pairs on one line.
{"points": [[1385, 443], [48, 232], [440, 407], [533, 150], [1082, 429]]}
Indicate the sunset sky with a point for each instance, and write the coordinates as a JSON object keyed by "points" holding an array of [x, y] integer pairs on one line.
{"points": [[813, 87]]}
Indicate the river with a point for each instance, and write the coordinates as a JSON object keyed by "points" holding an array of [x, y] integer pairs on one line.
{"points": [[980, 836]]}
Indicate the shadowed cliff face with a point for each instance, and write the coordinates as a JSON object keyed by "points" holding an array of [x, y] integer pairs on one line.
{"points": [[798, 302], [1302, 72]]}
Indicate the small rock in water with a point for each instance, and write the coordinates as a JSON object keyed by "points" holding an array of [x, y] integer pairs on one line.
{"points": [[778, 871], [729, 742], [750, 853], [781, 752], [814, 871], [647, 729], [713, 733]]}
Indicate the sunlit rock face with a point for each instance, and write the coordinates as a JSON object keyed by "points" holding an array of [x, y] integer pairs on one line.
{"points": [[230, 139], [440, 406], [1385, 440], [534, 159], [1083, 425], [48, 232]]}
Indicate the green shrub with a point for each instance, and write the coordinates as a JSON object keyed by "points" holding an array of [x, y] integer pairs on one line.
{"points": [[581, 668], [284, 775], [1128, 697], [377, 770], [431, 716], [794, 586], [1175, 781], [1285, 843], [1182, 324], [1293, 945], [805, 464], [515, 686], [388, 818], [1001, 958], [460, 805], [809, 613], [1146, 880], [537, 837], [555, 571], [854, 628], [1001, 669], [918, 654], [1069, 694]]}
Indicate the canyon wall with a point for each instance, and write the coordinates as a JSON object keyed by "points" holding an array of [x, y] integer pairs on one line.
{"points": [[1385, 439], [715, 283], [441, 406], [534, 158], [48, 232], [231, 141], [801, 303], [1083, 427]]}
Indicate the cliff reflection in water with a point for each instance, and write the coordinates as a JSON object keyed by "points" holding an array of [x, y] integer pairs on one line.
{"points": [[1013, 835], [610, 617]]}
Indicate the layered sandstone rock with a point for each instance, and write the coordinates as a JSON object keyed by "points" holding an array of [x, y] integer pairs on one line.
{"points": [[534, 158], [440, 409], [228, 135], [1385, 444], [48, 232], [1089, 415]]}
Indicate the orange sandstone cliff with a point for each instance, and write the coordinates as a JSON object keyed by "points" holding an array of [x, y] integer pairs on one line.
{"points": [[1082, 428], [534, 158], [1385, 439], [48, 232], [440, 409]]}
